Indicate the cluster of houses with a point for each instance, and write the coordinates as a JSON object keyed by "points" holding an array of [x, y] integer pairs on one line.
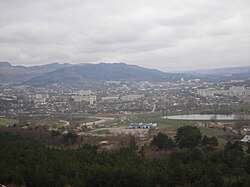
{"points": [[230, 127]]}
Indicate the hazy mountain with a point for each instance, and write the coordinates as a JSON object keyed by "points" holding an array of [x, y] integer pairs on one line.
{"points": [[5, 64], [68, 73], [221, 71], [49, 67], [221, 74], [17, 74], [98, 72]]}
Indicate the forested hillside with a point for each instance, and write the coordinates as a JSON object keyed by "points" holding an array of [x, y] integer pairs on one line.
{"points": [[29, 163]]}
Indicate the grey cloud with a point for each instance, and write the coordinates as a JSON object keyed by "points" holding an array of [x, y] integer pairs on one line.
{"points": [[169, 35]]}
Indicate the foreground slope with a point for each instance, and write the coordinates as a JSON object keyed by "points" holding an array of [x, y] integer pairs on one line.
{"points": [[29, 163]]}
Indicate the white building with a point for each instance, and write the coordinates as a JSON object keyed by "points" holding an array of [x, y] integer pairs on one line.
{"points": [[85, 96], [110, 98], [238, 91], [232, 91], [40, 98], [208, 92], [246, 139]]}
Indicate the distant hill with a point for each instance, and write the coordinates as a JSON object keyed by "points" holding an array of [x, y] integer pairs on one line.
{"points": [[222, 71], [17, 74], [98, 72], [5, 64], [68, 73], [222, 74], [48, 67]]}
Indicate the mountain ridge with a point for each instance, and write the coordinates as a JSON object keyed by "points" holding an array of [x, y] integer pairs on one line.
{"points": [[67, 73], [232, 70], [17, 74], [98, 72]]}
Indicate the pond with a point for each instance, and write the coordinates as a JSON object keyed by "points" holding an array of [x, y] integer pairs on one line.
{"points": [[205, 117]]}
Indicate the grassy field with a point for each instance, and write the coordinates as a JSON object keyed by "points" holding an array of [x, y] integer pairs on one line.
{"points": [[6, 121], [157, 118], [101, 132], [55, 123], [241, 108], [217, 133], [172, 125], [169, 127], [81, 120], [116, 122]]}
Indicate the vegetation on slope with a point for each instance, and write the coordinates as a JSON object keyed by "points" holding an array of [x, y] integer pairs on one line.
{"points": [[30, 163]]}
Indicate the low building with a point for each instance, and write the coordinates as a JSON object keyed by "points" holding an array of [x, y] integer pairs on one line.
{"points": [[142, 126], [232, 91], [110, 98], [246, 139], [86, 96]]}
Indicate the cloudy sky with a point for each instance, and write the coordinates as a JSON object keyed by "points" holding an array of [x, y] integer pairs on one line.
{"points": [[170, 35]]}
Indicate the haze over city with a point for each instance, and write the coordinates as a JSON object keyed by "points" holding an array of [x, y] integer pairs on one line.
{"points": [[165, 35]]}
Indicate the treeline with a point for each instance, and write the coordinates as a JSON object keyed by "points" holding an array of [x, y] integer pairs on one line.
{"points": [[42, 134], [190, 161]]}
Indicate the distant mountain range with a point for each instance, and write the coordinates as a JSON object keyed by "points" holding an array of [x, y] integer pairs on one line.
{"points": [[98, 72], [68, 73], [225, 71], [222, 74], [18, 74], [57, 73]]}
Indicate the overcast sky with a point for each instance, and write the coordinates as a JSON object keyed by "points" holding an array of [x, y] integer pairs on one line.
{"points": [[170, 35]]}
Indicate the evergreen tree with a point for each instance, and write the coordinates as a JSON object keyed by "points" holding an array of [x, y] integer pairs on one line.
{"points": [[188, 137], [162, 141]]}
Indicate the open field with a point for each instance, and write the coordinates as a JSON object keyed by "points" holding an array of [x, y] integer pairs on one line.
{"points": [[58, 121], [217, 133], [102, 131], [6, 121], [169, 127], [121, 130], [84, 119], [54, 123], [114, 126], [241, 108]]}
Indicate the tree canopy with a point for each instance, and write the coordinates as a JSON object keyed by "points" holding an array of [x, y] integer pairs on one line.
{"points": [[162, 141], [209, 142], [30, 163], [188, 137]]}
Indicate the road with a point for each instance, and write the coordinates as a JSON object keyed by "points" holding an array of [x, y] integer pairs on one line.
{"points": [[100, 120]]}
